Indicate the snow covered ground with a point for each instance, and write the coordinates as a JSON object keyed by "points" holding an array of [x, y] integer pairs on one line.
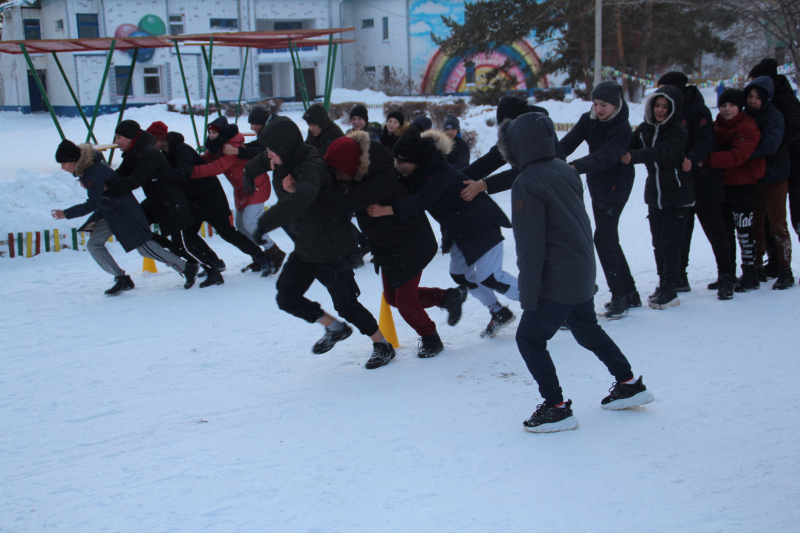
{"points": [[165, 410]]}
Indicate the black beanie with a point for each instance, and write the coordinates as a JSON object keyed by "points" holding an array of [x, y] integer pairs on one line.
{"points": [[359, 111], [767, 67], [608, 91], [510, 107], [67, 152], [259, 115], [317, 115], [734, 96], [423, 123], [409, 147], [451, 122], [128, 129], [397, 115], [676, 79]]}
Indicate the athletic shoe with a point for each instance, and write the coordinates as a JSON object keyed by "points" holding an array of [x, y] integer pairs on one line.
{"points": [[616, 307], [213, 278], [664, 298], [382, 353], [499, 320], [430, 346], [785, 280], [276, 257], [190, 273], [625, 396], [683, 284], [453, 302], [547, 419], [634, 300], [121, 283], [330, 339]]}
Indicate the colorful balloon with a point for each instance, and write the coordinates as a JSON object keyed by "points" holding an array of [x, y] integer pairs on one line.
{"points": [[145, 54], [125, 30], [153, 25]]}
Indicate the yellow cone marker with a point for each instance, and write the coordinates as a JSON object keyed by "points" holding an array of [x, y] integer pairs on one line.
{"points": [[149, 265], [386, 323]]}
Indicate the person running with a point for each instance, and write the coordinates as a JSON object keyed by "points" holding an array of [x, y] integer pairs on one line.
{"points": [[322, 239], [476, 252], [366, 176], [557, 271], [120, 216]]}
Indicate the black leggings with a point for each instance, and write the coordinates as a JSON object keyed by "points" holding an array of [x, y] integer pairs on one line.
{"points": [[737, 211]]}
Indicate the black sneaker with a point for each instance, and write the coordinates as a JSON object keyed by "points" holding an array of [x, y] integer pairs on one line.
{"points": [[190, 273], [276, 257], [683, 284], [253, 267], [219, 264], [430, 346], [616, 307], [331, 338], [499, 320], [121, 283], [547, 419], [725, 287], [625, 396], [664, 298], [213, 278], [634, 300], [453, 302], [264, 263], [785, 280], [382, 353], [714, 285], [655, 292]]}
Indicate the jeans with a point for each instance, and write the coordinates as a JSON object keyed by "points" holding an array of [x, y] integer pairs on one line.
{"points": [[411, 300]]}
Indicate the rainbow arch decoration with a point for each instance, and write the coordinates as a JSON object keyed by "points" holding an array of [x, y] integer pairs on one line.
{"points": [[448, 74]]}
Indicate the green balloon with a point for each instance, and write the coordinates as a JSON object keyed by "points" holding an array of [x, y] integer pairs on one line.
{"points": [[152, 25]]}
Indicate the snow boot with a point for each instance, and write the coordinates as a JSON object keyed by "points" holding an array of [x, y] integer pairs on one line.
{"points": [[785, 280], [683, 284], [190, 273], [121, 283], [617, 307], [214, 278], [276, 257], [253, 267], [634, 300], [549, 419], [749, 280], [725, 287], [772, 270], [430, 346], [382, 353], [664, 298], [330, 339], [264, 264], [499, 320], [453, 302], [625, 396]]}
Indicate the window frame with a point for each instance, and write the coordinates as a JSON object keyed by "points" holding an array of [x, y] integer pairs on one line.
{"points": [[369, 70], [156, 75], [60, 25], [226, 72], [82, 25], [367, 23], [120, 90], [271, 75], [385, 28], [223, 25], [26, 28], [172, 23]]}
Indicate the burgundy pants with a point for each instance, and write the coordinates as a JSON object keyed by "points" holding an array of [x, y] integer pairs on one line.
{"points": [[411, 300], [771, 203]]}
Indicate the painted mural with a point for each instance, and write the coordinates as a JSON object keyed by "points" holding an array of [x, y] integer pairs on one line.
{"points": [[148, 25], [441, 73]]}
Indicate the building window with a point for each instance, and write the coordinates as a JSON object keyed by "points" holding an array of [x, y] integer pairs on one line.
{"points": [[470, 67], [60, 24], [226, 72], [369, 69], [121, 75], [176, 25], [387, 73], [152, 81], [368, 23], [385, 28], [265, 86], [228, 24], [87, 27], [32, 30]]}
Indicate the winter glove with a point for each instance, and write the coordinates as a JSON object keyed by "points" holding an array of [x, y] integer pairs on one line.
{"points": [[248, 184]]}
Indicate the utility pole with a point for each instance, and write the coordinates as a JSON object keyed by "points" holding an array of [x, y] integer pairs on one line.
{"points": [[598, 40]]}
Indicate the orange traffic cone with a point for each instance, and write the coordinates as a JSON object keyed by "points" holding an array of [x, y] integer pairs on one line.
{"points": [[386, 323], [149, 265]]}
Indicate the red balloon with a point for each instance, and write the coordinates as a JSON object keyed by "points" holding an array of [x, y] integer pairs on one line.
{"points": [[125, 30]]}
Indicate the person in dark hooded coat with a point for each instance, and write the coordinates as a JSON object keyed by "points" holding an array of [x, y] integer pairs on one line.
{"points": [[396, 125], [322, 236], [258, 118], [322, 131], [476, 252], [660, 144], [459, 155], [557, 268], [120, 216]]}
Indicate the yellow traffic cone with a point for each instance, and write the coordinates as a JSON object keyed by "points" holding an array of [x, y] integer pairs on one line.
{"points": [[149, 265], [386, 323]]}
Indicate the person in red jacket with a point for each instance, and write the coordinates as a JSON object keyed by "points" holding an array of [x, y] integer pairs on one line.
{"points": [[737, 138], [247, 207]]}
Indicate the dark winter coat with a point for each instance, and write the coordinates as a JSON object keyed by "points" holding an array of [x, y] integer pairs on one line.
{"points": [[331, 131], [401, 248], [608, 180], [788, 104], [700, 127], [662, 148], [436, 186], [737, 139], [123, 213], [459, 155], [249, 150], [143, 165], [373, 128], [388, 139], [771, 124], [555, 250], [319, 235]]}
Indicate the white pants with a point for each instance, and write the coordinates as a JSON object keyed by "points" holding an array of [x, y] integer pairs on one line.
{"points": [[246, 221], [489, 269]]}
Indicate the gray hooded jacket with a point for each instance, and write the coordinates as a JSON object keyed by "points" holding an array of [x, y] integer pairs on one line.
{"points": [[555, 251]]}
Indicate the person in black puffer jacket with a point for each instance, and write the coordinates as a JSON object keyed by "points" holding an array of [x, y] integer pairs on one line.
{"points": [[660, 143], [394, 128], [322, 131], [322, 236], [459, 155], [708, 191]]}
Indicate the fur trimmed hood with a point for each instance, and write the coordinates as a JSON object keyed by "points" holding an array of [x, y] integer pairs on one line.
{"points": [[399, 131], [89, 156], [363, 140], [440, 141]]}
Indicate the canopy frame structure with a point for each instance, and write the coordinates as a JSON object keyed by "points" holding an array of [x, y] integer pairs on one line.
{"points": [[292, 40]]}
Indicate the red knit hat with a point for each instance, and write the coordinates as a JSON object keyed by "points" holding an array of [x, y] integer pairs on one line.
{"points": [[213, 127], [159, 130], [344, 154]]}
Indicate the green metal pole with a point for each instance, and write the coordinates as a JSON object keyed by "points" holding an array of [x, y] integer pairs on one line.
{"points": [[329, 88], [125, 97], [100, 92], [241, 85], [298, 73], [208, 93], [41, 90], [74, 98], [325, 101], [211, 72], [186, 90]]}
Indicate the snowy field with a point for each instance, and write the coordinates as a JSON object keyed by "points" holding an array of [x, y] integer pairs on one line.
{"points": [[165, 410]]}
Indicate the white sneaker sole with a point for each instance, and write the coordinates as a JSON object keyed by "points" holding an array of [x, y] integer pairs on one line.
{"points": [[498, 330], [562, 425], [673, 303], [642, 398]]}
